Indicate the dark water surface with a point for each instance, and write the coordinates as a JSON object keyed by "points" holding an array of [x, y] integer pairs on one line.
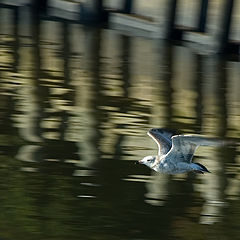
{"points": [[75, 105]]}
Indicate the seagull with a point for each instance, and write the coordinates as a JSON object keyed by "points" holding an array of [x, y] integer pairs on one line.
{"points": [[175, 152]]}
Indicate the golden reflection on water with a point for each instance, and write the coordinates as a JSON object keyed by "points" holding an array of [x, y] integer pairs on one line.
{"points": [[76, 103]]}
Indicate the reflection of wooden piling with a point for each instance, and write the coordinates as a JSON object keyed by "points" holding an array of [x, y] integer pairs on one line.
{"points": [[202, 16], [99, 9], [39, 6], [93, 11], [199, 98], [126, 47], [127, 7], [222, 100], [167, 78], [16, 35], [225, 28], [66, 51], [171, 19]]}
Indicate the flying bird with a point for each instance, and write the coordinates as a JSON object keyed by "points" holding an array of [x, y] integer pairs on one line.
{"points": [[175, 152]]}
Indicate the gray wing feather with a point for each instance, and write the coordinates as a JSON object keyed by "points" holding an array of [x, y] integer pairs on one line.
{"points": [[184, 146], [163, 139]]}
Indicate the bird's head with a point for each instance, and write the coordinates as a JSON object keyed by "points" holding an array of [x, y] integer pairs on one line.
{"points": [[148, 161]]}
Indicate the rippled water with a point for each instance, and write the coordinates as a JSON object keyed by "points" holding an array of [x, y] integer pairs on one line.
{"points": [[75, 105]]}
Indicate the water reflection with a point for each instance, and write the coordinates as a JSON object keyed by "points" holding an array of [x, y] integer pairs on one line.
{"points": [[76, 103]]}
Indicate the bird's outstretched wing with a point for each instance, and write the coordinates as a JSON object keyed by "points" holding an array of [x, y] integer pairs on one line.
{"points": [[163, 139], [184, 146]]}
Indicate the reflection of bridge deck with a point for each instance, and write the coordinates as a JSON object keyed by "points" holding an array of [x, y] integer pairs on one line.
{"points": [[213, 24]]}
